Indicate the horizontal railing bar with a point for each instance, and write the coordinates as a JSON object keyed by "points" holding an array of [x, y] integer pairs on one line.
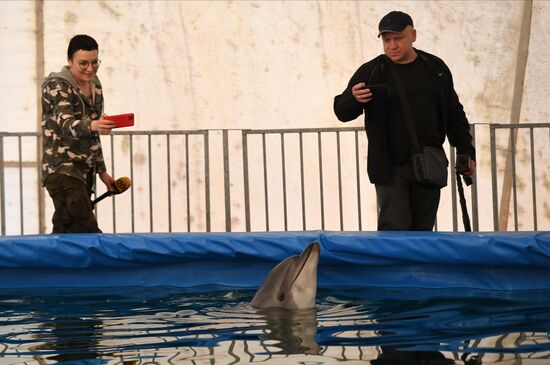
{"points": [[269, 131], [158, 133], [20, 134], [520, 125], [25, 164], [279, 130], [300, 130]]}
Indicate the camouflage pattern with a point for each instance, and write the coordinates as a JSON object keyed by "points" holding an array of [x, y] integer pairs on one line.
{"points": [[73, 208], [69, 146]]}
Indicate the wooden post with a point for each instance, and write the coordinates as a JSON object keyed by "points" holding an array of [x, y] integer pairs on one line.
{"points": [[521, 65]]}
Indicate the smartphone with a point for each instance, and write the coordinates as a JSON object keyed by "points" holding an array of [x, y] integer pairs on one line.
{"points": [[121, 120], [376, 88]]}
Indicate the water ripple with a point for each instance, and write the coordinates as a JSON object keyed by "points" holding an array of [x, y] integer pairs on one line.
{"points": [[217, 324]]}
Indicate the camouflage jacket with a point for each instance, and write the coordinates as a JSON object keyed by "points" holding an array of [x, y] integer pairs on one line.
{"points": [[69, 145]]}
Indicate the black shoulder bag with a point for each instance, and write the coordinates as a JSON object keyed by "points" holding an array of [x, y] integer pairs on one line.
{"points": [[430, 163]]}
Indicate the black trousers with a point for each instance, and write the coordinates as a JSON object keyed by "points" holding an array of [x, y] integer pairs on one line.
{"points": [[405, 205], [73, 207]]}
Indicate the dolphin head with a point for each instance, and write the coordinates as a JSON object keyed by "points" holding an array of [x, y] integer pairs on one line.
{"points": [[292, 284]]}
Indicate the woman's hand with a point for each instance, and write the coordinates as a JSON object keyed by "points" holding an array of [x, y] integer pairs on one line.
{"points": [[102, 126], [107, 180]]}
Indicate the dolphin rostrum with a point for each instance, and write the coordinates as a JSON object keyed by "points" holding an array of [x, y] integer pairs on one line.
{"points": [[292, 284]]}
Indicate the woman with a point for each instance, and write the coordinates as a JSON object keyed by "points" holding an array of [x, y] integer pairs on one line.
{"points": [[72, 119]]}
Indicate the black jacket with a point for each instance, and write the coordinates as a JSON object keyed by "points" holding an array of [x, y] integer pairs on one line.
{"points": [[376, 71]]}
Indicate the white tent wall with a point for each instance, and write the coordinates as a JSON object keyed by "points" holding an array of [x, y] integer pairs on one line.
{"points": [[186, 65], [274, 64]]}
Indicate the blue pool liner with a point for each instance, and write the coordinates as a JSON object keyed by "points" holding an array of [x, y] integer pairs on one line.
{"points": [[499, 261]]}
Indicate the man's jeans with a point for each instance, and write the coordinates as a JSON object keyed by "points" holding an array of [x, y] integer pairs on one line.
{"points": [[406, 205]]}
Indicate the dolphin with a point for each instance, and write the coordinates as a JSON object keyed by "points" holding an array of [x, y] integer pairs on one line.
{"points": [[292, 284]]}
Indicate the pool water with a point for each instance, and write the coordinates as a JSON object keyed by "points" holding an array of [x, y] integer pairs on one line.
{"points": [[215, 325]]}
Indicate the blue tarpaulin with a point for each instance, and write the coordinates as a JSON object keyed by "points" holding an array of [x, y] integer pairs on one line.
{"points": [[500, 261]]}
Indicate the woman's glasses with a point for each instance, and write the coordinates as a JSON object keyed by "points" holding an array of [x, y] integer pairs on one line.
{"points": [[83, 65]]}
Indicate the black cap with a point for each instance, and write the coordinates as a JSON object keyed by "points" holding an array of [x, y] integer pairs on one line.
{"points": [[395, 22]]}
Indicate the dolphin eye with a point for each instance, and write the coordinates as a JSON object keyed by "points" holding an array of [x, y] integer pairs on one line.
{"points": [[281, 297]]}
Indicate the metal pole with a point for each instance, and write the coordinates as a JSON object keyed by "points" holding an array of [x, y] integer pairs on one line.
{"points": [[169, 177], [132, 209], [21, 193], [453, 191], [475, 216], [245, 182], [113, 174], [494, 176], [150, 164], [39, 32], [266, 196], [533, 178], [514, 178], [302, 182], [226, 184], [319, 144], [283, 167], [187, 183], [2, 188], [358, 173], [339, 165], [207, 178]]}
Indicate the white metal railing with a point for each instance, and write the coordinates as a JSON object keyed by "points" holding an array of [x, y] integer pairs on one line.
{"points": [[274, 180]]}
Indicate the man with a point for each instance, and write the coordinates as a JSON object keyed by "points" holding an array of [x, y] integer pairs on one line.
{"points": [[436, 111], [72, 119]]}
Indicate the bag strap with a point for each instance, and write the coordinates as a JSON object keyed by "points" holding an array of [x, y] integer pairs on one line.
{"points": [[405, 107]]}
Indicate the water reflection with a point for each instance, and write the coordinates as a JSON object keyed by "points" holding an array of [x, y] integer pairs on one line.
{"points": [[400, 356], [69, 338], [217, 326], [293, 332]]}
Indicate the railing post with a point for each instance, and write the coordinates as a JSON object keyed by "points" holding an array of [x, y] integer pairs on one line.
{"points": [[492, 147], [226, 184], [207, 178], [2, 191], [533, 178], [322, 193], [113, 172], [266, 185], [339, 171], [150, 166], [21, 191], [169, 177], [187, 184], [452, 170], [513, 137], [302, 182], [475, 217], [283, 168], [132, 205], [245, 180], [358, 173]]}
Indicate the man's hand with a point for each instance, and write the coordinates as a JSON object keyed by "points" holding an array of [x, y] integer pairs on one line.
{"points": [[107, 180], [102, 126], [360, 93], [471, 169]]}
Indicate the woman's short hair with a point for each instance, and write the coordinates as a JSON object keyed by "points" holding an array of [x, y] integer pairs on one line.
{"points": [[81, 42]]}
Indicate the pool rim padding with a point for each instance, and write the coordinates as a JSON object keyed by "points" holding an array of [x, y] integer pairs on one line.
{"points": [[477, 260]]}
